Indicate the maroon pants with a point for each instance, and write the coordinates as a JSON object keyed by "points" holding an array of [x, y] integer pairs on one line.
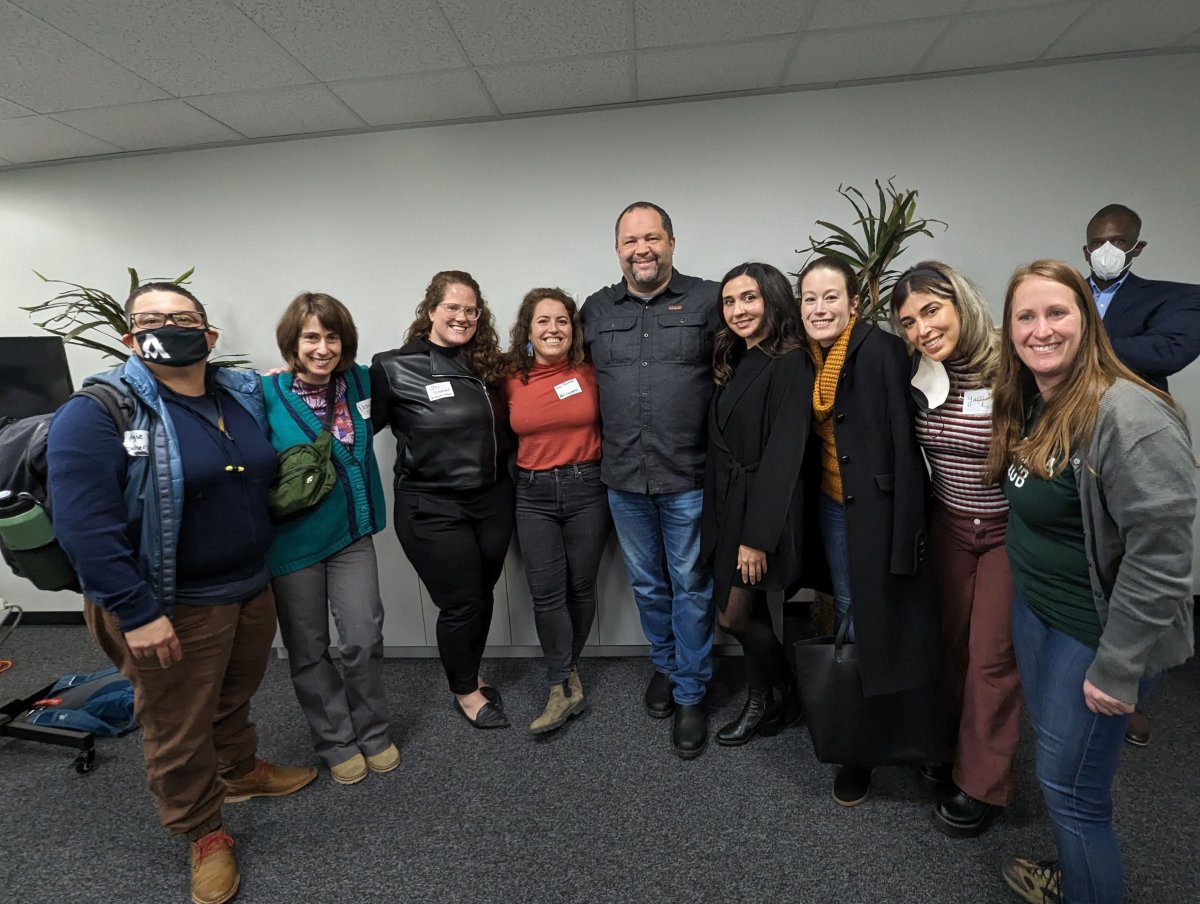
{"points": [[195, 715], [983, 689]]}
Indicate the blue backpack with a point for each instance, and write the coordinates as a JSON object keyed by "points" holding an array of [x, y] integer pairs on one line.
{"points": [[100, 702]]}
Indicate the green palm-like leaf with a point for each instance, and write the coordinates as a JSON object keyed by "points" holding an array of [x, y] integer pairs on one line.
{"points": [[886, 224]]}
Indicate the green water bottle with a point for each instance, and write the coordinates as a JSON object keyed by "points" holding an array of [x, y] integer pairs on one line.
{"points": [[28, 534]]}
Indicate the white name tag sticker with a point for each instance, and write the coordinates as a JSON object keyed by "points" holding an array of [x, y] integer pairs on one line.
{"points": [[441, 390], [977, 401], [364, 409], [137, 442], [568, 388]]}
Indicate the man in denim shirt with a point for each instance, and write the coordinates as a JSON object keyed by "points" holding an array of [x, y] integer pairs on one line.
{"points": [[650, 337]]}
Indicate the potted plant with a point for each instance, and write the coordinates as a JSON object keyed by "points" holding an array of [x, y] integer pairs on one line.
{"points": [[91, 318], [874, 241]]}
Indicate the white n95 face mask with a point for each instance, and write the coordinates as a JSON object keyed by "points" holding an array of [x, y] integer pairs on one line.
{"points": [[1108, 261]]}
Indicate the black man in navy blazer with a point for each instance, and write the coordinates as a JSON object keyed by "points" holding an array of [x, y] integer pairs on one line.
{"points": [[1154, 326]]}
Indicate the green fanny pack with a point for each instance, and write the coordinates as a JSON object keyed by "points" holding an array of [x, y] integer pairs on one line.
{"points": [[306, 476], [306, 473]]}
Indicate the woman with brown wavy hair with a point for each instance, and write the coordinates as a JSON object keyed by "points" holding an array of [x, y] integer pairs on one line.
{"points": [[753, 497], [440, 394], [563, 520], [1097, 467]]}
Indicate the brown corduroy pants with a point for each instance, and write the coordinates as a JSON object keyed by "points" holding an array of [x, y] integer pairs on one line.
{"points": [[195, 715], [983, 688]]}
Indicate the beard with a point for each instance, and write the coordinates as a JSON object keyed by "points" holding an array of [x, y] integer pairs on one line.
{"points": [[651, 278]]}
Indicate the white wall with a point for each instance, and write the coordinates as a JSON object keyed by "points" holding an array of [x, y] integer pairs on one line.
{"points": [[1015, 162]]}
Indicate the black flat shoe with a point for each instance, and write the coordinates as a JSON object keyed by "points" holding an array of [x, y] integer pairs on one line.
{"points": [[492, 695], [962, 816], [852, 785], [760, 715], [659, 701], [690, 732], [489, 716], [937, 776]]}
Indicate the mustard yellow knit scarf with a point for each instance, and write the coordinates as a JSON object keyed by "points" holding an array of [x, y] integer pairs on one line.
{"points": [[829, 369]]}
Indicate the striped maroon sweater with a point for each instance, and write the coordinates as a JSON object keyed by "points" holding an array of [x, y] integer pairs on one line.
{"points": [[956, 445]]}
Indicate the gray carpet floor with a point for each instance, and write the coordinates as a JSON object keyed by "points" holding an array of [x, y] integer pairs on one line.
{"points": [[600, 811]]}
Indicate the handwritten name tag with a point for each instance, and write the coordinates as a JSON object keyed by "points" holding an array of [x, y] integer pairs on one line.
{"points": [[568, 388], [977, 401], [441, 390], [364, 409], [137, 442]]}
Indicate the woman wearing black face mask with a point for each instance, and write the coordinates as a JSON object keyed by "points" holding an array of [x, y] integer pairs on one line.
{"points": [[167, 526]]}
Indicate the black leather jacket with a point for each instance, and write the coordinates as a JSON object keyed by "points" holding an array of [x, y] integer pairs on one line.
{"points": [[451, 428]]}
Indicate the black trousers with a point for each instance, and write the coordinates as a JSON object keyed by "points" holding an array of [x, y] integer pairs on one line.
{"points": [[563, 524], [457, 540]]}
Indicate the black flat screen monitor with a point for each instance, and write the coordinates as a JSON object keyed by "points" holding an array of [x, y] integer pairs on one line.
{"points": [[34, 377]]}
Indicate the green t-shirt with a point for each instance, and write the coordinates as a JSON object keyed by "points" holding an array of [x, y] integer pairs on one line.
{"points": [[1046, 551]]}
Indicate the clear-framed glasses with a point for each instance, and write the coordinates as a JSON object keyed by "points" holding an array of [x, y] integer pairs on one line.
{"points": [[454, 309], [152, 320]]}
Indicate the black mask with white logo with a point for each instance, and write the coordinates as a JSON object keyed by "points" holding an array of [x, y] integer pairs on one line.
{"points": [[173, 346]]}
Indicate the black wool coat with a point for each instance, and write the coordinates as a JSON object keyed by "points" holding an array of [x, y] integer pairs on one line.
{"points": [[758, 426], [885, 490]]}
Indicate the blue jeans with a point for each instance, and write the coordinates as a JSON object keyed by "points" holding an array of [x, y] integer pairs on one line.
{"points": [[1077, 754], [660, 540], [837, 552]]}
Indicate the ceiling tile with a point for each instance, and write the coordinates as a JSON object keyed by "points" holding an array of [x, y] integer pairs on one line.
{"points": [[876, 52], [560, 84], [361, 39], [184, 48], [156, 124], [515, 31], [689, 71], [44, 70], [33, 138], [662, 22], [416, 98], [842, 13], [280, 111], [998, 38], [11, 111], [1119, 25]]}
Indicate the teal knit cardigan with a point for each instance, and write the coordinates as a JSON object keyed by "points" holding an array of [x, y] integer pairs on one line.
{"points": [[356, 506]]}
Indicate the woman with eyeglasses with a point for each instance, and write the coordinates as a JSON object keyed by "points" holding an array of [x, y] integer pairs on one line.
{"points": [[441, 393], [563, 520], [323, 560]]}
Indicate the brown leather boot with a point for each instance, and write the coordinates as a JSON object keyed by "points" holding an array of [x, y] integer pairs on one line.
{"points": [[573, 681], [215, 877], [267, 780]]}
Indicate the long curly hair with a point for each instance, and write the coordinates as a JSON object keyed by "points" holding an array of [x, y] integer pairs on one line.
{"points": [[481, 354], [782, 327], [1070, 414], [520, 359], [978, 338]]}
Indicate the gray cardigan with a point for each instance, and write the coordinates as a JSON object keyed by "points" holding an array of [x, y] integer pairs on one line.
{"points": [[1137, 488]]}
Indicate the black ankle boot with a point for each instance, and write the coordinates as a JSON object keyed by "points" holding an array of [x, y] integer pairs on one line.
{"points": [[790, 709], [760, 715]]}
